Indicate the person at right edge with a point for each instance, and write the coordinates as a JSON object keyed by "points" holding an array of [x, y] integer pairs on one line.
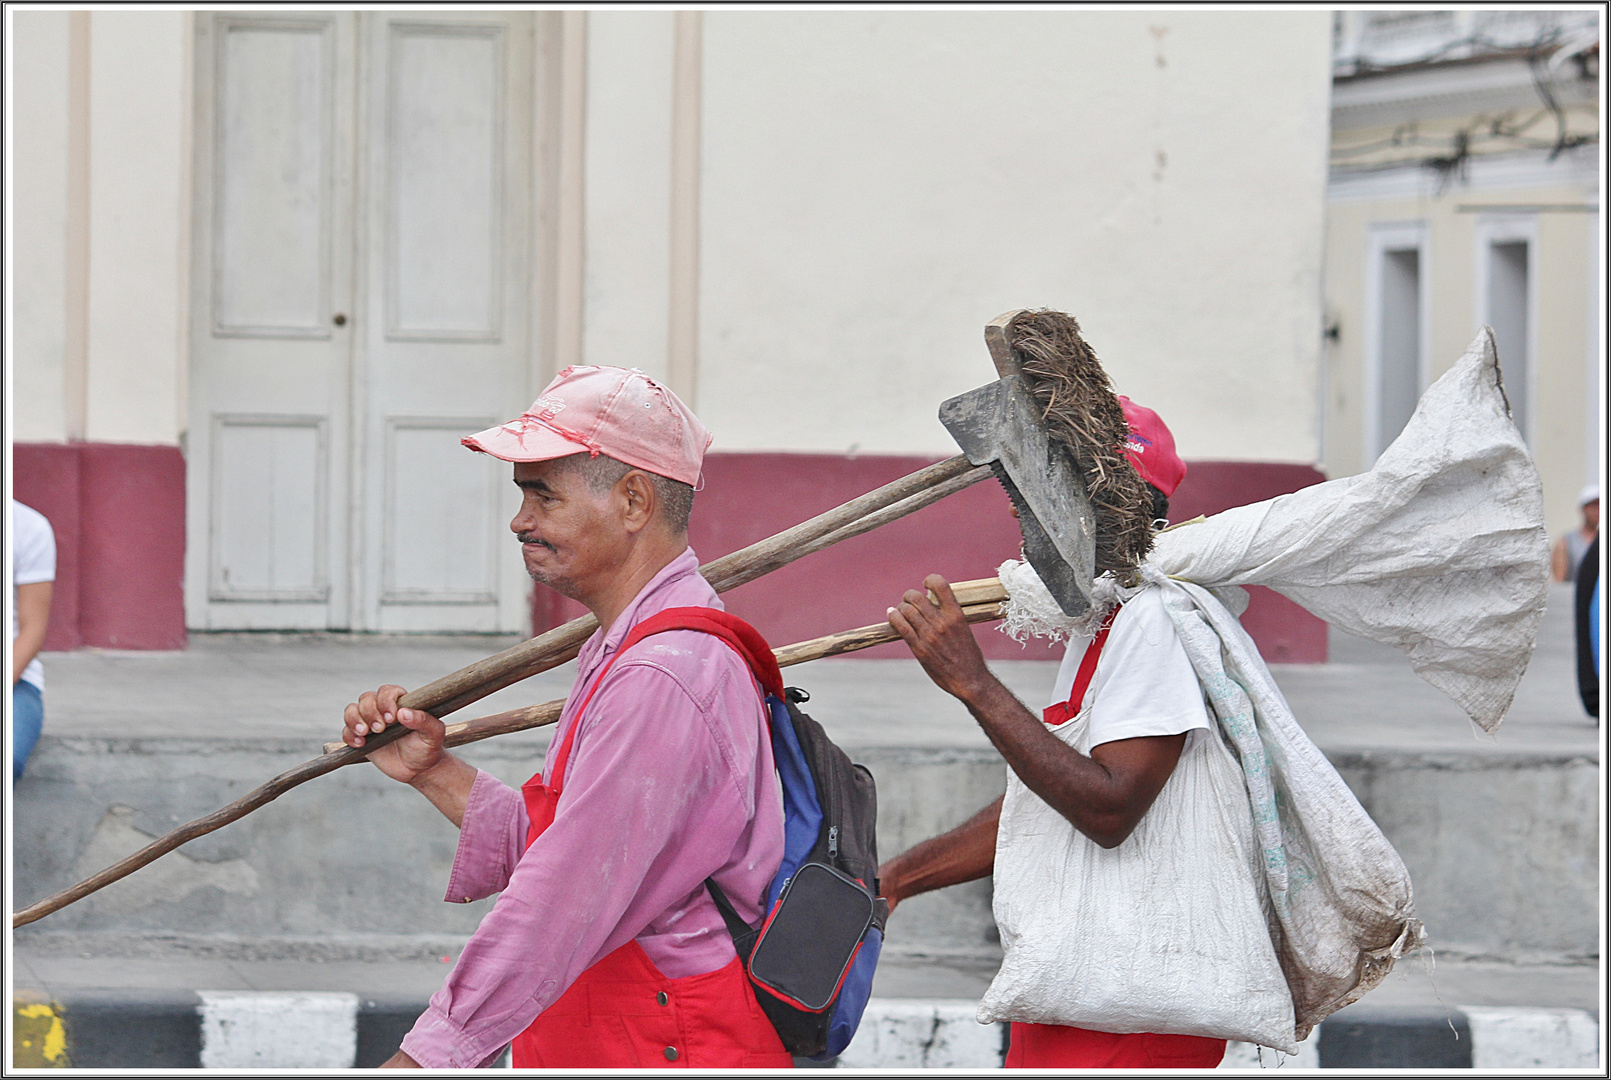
{"points": [[1146, 708], [1586, 628]]}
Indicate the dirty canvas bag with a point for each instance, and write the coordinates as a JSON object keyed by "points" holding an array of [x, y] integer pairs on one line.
{"points": [[1164, 933], [1337, 898]]}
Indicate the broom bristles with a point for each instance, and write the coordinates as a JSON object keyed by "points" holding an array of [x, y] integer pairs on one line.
{"points": [[1081, 411]]}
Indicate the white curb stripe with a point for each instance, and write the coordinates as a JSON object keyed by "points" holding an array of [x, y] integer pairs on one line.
{"points": [[1532, 1038], [1242, 1055], [922, 1033], [244, 1029]]}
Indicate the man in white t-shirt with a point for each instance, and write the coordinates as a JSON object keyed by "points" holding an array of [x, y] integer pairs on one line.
{"points": [[33, 570], [1144, 701]]}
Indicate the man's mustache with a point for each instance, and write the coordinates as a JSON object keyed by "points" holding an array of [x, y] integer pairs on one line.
{"points": [[533, 538]]}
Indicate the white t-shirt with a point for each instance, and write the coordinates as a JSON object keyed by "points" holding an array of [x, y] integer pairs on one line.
{"points": [[33, 559], [1144, 683]]}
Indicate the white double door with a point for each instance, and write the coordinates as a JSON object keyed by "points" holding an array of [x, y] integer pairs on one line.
{"points": [[362, 252]]}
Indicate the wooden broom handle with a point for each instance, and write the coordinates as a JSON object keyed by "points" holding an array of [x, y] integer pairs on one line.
{"points": [[981, 602], [549, 650]]}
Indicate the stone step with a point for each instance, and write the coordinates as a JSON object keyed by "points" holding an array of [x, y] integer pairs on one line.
{"points": [[1501, 846]]}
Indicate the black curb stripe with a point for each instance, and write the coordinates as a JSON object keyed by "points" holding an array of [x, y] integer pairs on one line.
{"points": [[152, 1029], [382, 1023], [1362, 1037]]}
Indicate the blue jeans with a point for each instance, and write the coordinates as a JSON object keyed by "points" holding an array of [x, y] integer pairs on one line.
{"points": [[27, 717]]}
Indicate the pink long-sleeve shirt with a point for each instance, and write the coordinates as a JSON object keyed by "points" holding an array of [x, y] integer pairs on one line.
{"points": [[670, 781]]}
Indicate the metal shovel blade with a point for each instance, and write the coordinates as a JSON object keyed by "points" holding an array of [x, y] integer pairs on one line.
{"points": [[999, 425]]}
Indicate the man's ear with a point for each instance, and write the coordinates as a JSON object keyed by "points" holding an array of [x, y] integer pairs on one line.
{"points": [[638, 495]]}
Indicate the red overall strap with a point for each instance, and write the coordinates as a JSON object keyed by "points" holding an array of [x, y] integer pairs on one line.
{"points": [[1064, 711], [743, 638]]}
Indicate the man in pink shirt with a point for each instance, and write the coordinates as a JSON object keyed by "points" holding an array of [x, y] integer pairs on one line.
{"points": [[605, 949]]}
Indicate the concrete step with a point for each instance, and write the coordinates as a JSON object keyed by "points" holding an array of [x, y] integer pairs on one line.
{"points": [[1502, 846]]}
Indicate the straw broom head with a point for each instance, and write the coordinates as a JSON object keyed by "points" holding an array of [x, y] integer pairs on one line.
{"points": [[1081, 411]]}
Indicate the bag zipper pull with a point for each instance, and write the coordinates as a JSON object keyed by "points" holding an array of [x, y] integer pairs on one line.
{"points": [[833, 840]]}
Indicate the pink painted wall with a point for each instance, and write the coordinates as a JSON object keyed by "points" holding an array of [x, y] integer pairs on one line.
{"points": [[119, 516], [749, 496]]}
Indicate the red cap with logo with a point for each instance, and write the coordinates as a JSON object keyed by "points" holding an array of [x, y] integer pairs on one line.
{"points": [[619, 412], [1151, 449]]}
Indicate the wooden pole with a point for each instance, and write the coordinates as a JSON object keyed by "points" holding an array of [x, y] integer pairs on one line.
{"points": [[981, 602], [549, 650], [894, 500]]}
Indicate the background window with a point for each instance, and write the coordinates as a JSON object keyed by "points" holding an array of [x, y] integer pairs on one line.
{"points": [[1399, 348], [1507, 306]]}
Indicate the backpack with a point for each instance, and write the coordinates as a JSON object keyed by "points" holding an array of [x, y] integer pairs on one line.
{"points": [[810, 962]]}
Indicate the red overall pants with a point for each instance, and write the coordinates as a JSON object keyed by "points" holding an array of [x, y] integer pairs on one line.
{"points": [[1054, 1046], [622, 1013]]}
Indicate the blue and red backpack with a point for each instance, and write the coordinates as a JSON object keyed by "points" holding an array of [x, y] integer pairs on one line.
{"points": [[811, 960]]}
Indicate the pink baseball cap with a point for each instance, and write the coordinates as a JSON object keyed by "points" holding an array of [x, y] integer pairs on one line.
{"points": [[1151, 448], [620, 412]]}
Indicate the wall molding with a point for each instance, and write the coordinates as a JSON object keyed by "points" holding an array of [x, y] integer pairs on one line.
{"points": [[1578, 167], [687, 93]]}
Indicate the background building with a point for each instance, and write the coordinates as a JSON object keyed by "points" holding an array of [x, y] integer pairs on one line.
{"points": [[1465, 190], [270, 266]]}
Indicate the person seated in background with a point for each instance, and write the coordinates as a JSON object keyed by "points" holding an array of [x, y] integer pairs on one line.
{"points": [[1567, 554], [33, 570]]}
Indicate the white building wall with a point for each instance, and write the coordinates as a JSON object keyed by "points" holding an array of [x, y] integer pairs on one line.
{"points": [[875, 185], [125, 382], [37, 222], [628, 202], [139, 212], [878, 185]]}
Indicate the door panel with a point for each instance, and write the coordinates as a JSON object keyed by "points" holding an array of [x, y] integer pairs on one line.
{"points": [[440, 546], [449, 148], [269, 509], [270, 369], [275, 95], [445, 135]]}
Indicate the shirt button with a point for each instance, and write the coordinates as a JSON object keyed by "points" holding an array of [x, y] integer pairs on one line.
{"points": [[671, 1053], [661, 997]]}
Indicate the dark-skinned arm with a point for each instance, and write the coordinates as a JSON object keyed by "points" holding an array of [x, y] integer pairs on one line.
{"points": [[1104, 795], [966, 853]]}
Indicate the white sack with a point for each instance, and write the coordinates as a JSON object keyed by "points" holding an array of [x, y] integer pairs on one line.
{"points": [[1439, 550], [1165, 933]]}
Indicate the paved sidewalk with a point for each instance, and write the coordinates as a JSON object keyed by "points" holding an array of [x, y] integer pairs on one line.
{"points": [[1414, 983], [295, 685]]}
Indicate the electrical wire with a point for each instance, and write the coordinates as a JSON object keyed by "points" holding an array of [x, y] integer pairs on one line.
{"points": [[1461, 145]]}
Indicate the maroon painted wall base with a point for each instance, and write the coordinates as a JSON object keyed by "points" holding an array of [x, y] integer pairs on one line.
{"points": [[119, 517], [750, 496]]}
